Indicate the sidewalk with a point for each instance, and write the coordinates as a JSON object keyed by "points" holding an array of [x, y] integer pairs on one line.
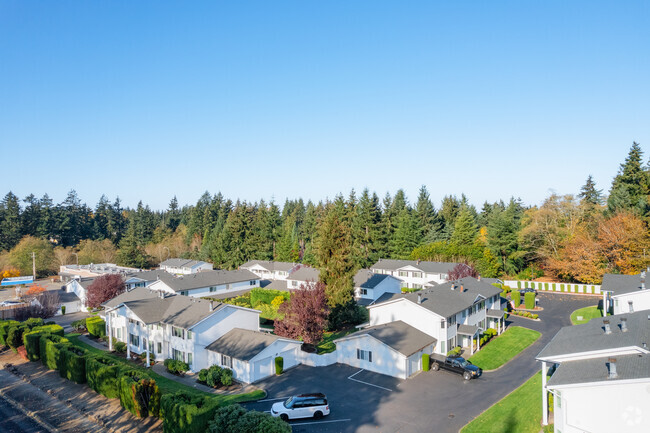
{"points": [[188, 380]]}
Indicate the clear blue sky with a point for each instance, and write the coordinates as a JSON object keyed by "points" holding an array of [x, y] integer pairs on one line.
{"points": [[274, 99]]}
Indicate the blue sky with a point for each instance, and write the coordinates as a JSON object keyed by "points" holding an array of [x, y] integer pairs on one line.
{"points": [[148, 99]]}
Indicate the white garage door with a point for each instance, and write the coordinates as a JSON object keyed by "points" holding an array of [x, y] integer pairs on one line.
{"points": [[414, 365], [263, 368], [289, 358]]}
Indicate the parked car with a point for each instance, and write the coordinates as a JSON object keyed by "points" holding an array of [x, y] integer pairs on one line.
{"points": [[456, 364], [302, 406], [528, 290]]}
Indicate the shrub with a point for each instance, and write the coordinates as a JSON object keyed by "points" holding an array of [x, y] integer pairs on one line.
{"points": [[31, 341], [214, 376], [119, 346], [63, 310], [529, 300], [4, 330], [516, 298], [234, 418], [455, 351], [75, 364], [425, 362], [46, 350], [15, 336], [102, 376], [33, 322], [96, 326], [279, 365], [79, 325], [203, 375], [535, 316], [187, 413], [226, 377], [266, 296], [50, 329], [139, 393], [176, 367]]}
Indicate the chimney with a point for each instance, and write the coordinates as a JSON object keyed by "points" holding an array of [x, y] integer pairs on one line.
{"points": [[608, 330], [479, 278], [612, 368], [211, 305], [624, 324], [419, 298]]}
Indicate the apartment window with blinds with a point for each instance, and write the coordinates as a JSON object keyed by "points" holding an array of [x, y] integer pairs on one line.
{"points": [[178, 355], [226, 361], [177, 332], [364, 355], [403, 274], [134, 340], [417, 274]]}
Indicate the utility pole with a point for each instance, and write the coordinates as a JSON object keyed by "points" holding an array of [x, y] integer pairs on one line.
{"points": [[34, 264]]}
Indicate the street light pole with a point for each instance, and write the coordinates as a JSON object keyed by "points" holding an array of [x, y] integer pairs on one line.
{"points": [[34, 264], [77, 257]]}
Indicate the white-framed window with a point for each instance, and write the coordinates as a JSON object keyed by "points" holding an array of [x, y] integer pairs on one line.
{"points": [[294, 283], [417, 274], [178, 355], [134, 340], [364, 291], [364, 355], [403, 274], [189, 335], [417, 286], [226, 361], [177, 332], [631, 305], [189, 358], [213, 289], [159, 347]]}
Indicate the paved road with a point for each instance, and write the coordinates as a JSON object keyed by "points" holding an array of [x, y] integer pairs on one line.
{"points": [[14, 421], [429, 402]]}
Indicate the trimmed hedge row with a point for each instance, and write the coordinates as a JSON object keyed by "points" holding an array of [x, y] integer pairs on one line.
{"points": [[139, 393], [4, 330], [101, 375], [96, 326], [187, 413], [266, 296], [75, 364]]}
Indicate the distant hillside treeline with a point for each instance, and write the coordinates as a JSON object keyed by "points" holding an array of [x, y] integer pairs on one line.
{"points": [[576, 238]]}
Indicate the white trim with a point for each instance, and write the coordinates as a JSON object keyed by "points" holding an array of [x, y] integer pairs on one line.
{"points": [[606, 382]]}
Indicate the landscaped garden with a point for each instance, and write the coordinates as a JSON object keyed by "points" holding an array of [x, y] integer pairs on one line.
{"points": [[520, 411], [583, 315], [503, 348]]}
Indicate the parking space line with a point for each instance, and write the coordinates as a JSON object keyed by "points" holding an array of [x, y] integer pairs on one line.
{"points": [[270, 399], [322, 422], [366, 383]]}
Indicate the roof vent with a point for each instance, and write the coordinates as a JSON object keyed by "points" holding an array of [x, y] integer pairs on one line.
{"points": [[608, 330], [624, 324], [453, 286], [211, 305], [612, 368], [419, 298], [479, 278], [462, 288]]}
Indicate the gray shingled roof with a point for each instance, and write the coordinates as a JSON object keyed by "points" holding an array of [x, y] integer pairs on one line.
{"points": [[270, 265], [305, 273], [494, 313], [182, 263], [207, 279], [431, 267], [398, 335], [243, 344], [597, 370], [591, 335], [178, 310], [621, 284], [467, 330], [277, 285], [65, 297], [148, 275], [444, 301], [367, 279]]}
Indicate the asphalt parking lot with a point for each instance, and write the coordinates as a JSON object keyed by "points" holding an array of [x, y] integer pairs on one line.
{"points": [[363, 401]]}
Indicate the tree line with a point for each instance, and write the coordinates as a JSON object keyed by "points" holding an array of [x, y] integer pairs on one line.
{"points": [[573, 237]]}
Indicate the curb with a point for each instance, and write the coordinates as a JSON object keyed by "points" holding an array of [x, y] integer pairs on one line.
{"points": [[28, 413]]}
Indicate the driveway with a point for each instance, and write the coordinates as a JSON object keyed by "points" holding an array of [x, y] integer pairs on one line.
{"points": [[433, 401]]}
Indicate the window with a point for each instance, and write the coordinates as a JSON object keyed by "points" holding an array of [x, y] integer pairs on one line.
{"points": [[189, 335], [417, 286], [177, 332], [226, 361], [119, 333], [252, 282], [134, 340], [403, 274], [417, 274], [558, 399], [189, 359], [364, 291], [294, 283], [631, 305], [451, 320], [178, 355], [227, 286], [159, 348], [364, 355], [184, 292], [213, 289]]}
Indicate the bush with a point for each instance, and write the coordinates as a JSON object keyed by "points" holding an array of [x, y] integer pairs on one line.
{"points": [[279, 365], [46, 352], [50, 329], [15, 336], [187, 413], [529, 300], [176, 367], [516, 298], [63, 310], [235, 419], [266, 296], [226, 377], [4, 330], [96, 326], [32, 343], [455, 351], [535, 316], [75, 364], [345, 315], [425, 361], [213, 377], [119, 346], [33, 322], [102, 376], [139, 393], [79, 325], [203, 375]]}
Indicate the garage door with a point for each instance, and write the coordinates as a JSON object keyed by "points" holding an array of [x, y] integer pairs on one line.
{"points": [[263, 368], [414, 365], [289, 358]]}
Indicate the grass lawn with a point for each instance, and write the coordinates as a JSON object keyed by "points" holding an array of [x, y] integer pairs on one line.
{"points": [[504, 347], [166, 385], [327, 343], [519, 412], [587, 314]]}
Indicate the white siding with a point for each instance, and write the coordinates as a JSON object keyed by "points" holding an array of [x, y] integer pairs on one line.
{"points": [[384, 359], [417, 316], [640, 301]]}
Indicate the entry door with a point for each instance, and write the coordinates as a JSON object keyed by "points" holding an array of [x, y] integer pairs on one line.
{"points": [[263, 368]]}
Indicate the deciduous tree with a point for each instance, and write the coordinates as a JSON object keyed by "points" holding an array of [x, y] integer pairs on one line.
{"points": [[104, 288], [305, 314]]}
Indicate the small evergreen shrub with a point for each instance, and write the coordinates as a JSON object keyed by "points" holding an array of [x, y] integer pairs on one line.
{"points": [[425, 362], [102, 376], [535, 316], [516, 298], [455, 351], [15, 336], [139, 393], [529, 301], [176, 367], [4, 330], [33, 322], [187, 413], [63, 310], [79, 325], [279, 365], [46, 351], [226, 377], [96, 326], [75, 364], [203, 375], [235, 419]]}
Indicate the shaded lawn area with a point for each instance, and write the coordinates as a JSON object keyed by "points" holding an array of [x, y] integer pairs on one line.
{"points": [[167, 386], [587, 314], [518, 412], [327, 343], [504, 347]]}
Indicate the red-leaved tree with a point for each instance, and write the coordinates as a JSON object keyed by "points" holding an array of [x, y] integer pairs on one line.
{"points": [[104, 288], [305, 314], [462, 270]]}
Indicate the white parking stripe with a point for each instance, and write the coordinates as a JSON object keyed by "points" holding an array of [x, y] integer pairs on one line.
{"points": [[270, 399], [322, 422], [366, 383]]}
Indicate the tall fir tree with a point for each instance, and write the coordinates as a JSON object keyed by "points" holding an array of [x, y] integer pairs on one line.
{"points": [[10, 224], [407, 235], [465, 229]]}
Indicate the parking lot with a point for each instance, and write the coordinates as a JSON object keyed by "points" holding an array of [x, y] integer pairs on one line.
{"points": [[363, 401]]}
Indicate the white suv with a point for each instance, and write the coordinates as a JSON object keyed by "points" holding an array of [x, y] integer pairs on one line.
{"points": [[302, 406]]}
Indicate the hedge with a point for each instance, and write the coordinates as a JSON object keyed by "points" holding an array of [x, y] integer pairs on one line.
{"points": [[15, 336], [139, 393], [266, 296], [425, 362], [516, 298], [235, 419], [187, 413], [96, 326], [47, 356], [279, 365], [32, 343], [75, 364], [529, 300], [50, 329], [4, 330], [102, 376], [176, 367]]}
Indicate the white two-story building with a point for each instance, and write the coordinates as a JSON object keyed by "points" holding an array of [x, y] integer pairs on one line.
{"points": [[191, 329], [415, 274], [213, 284], [368, 286], [269, 270], [184, 266], [626, 293], [600, 378]]}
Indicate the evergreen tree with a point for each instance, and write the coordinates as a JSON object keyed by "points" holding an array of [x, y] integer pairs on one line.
{"points": [[589, 195], [46, 218], [131, 253], [465, 229], [365, 230], [101, 218], [173, 215], [10, 225], [426, 213], [31, 215], [503, 229], [631, 181], [407, 235]]}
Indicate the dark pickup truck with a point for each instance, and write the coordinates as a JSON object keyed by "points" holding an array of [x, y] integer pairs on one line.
{"points": [[456, 364]]}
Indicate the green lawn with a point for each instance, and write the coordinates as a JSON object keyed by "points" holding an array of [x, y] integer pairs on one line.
{"points": [[166, 385], [327, 343], [504, 347], [519, 412], [587, 314]]}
